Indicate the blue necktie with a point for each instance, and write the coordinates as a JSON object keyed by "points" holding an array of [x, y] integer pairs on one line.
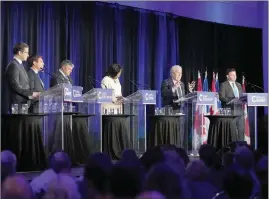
{"points": [[236, 94]]}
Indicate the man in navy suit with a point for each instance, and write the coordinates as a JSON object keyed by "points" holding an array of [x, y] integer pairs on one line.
{"points": [[173, 89], [18, 88], [36, 65]]}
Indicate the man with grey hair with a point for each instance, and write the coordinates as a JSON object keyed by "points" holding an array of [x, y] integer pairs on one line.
{"points": [[62, 76], [59, 163], [8, 164], [173, 89]]}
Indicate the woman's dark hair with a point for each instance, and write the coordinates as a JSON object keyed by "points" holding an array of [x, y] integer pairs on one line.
{"points": [[113, 70]]}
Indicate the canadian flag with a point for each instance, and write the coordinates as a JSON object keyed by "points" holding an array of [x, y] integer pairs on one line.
{"points": [[247, 134], [197, 131], [214, 108]]}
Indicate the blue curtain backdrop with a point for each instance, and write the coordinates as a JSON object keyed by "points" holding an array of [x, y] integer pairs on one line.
{"points": [[94, 35]]}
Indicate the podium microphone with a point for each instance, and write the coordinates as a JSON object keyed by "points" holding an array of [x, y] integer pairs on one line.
{"points": [[132, 82], [137, 84], [51, 74], [92, 79], [254, 85]]}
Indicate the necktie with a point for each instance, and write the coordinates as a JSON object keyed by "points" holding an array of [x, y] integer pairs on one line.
{"points": [[40, 80], [180, 91], [236, 94]]}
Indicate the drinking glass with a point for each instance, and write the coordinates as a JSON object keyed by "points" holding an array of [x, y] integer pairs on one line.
{"points": [[73, 109], [157, 111], [24, 109], [14, 108]]}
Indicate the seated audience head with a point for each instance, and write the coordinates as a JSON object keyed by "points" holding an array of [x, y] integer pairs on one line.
{"points": [[152, 156], [227, 159], [150, 195], [208, 155], [197, 171], [114, 71], [62, 186], [244, 158], [184, 156], [67, 67], [176, 72], [125, 180], [8, 164], [60, 162], [237, 185], [174, 161], [16, 187], [129, 155], [165, 180], [97, 170]]}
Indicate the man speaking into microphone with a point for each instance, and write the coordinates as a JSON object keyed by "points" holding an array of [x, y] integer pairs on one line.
{"points": [[173, 89], [36, 65]]}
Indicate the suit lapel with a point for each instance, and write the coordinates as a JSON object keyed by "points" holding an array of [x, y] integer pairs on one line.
{"points": [[22, 69], [40, 80], [230, 88], [170, 82]]}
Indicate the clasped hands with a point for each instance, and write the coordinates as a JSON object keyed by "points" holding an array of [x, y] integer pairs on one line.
{"points": [[36, 94], [191, 85], [119, 100]]}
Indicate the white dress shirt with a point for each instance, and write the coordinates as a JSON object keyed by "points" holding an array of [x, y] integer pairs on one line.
{"points": [[20, 61], [110, 83]]}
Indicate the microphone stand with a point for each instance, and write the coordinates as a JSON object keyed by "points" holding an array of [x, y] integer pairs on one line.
{"points": [[92, 79], [254, 86], [136, 85]]}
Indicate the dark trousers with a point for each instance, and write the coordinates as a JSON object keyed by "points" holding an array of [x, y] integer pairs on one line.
{"points": [[182, 125], [240, 126]]}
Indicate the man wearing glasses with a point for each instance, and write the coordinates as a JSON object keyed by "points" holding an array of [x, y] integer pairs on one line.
{"points": [[18, 87]]}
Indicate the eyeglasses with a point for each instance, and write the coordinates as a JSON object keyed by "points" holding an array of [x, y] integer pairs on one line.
{"points": [[25, 52]]}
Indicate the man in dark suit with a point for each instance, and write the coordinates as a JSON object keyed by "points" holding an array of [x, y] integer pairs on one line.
{"points": [[62, 76], [230, 91], [36, 84], [173, 89], [18, 88]]}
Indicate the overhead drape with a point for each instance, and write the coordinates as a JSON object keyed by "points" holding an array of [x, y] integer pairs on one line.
{"points": [[95, 34]]}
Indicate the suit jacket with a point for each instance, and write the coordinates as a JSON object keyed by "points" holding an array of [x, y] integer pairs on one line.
{"points": [[168, 96], [36, 86], [18, 88], [58, 78], [226, 94]]}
